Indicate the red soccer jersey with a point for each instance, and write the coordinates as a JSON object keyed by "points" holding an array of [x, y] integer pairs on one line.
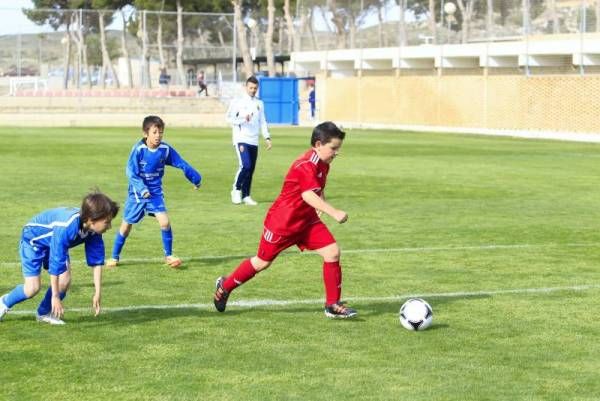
{"points": [[289, 214]]}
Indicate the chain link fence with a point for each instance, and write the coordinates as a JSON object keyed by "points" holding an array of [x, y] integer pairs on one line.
{"points": [[145, 50], [87, 50]]}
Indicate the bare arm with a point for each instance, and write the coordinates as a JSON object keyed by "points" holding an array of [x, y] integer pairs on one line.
{"points": [[57, 307], [318, 203], [97, 289]]}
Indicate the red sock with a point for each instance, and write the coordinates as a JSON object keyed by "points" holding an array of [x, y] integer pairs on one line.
{"points": [[332, 277], [244, 272]]}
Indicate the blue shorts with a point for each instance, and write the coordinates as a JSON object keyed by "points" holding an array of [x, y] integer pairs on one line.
{"points": [[33, 259], [136, 208]]}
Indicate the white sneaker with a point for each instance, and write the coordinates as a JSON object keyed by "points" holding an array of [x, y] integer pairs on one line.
{"points": [[3, 308], [236, 196], [249, 201], [49, 319]]}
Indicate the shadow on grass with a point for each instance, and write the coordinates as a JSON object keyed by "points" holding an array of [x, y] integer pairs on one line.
{"points": [[197, 260], [104, 284], [375, 308]]}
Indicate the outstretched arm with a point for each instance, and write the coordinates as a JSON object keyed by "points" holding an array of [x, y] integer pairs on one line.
{"points": [[318, 203], [190, 173]]}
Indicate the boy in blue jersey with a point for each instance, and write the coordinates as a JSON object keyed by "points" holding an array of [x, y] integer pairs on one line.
{"points": [[45, 242], [145, 169]]}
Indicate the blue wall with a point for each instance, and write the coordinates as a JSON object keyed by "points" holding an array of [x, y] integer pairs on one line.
{"points": [[280, 96]]}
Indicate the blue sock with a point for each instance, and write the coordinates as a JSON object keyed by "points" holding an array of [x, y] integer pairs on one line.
{"points": [[15, 296], [118, 246], [167, 239], [46, 304]]}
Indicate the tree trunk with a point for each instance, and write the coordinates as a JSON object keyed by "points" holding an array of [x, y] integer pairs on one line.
{"points": [[125, 51], [597, 15], [76, 19], [179, 58], [431, 21], [526, 14], [67, 60], [352, 29], [221, 39], [338, 22], [279, 35], [291, 39], [401, 23], [145, 76], [159, 42], [380, 32], [489, 22], [554, 16], [269, 37], [467, 14], [242, 41], [106, 61], [311, 30]]}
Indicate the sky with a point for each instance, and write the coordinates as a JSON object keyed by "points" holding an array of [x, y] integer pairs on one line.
{"points": [[13, 21]]}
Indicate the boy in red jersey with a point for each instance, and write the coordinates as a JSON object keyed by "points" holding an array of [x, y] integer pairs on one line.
{"points": [[293, 219]]}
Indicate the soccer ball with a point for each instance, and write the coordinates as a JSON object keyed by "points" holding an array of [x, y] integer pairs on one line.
{"points": [[416, 314]]}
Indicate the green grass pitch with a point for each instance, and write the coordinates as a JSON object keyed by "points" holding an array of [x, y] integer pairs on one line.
{"points": [[500, 236]]}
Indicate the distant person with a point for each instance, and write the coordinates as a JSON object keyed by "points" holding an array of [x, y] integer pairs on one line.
{"points": [[145, 170], [201, 83], [246, 114], [312, 100], [294, 219], [45, 243], [164, 78]]}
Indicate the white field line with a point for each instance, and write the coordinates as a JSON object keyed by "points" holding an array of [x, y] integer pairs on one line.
{"points": [[252, 303], [489, 247]]}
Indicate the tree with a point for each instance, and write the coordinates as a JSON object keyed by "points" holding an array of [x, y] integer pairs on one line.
{"points": [[56, 14], [242, 42], [124, 49], [105, 18], [293, 39], [269, 38], [466, 10]]}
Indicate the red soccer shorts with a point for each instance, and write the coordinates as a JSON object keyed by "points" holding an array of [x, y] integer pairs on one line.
{"points": [[315, 236]]}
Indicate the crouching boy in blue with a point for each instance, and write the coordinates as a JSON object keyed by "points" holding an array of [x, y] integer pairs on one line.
{"points": [[45, 242]]}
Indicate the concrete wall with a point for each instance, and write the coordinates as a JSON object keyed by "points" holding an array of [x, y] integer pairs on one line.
{"points": [[555, 103], [110, 111]]}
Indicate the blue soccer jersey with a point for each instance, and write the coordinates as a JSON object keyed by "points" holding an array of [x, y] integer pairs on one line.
{"points": [[146, 167], [49, 235]]}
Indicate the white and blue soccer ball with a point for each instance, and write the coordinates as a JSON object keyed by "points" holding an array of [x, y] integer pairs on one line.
{"points": [[416, 314]]}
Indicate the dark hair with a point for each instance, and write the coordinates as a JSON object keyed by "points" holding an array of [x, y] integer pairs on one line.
{"points": [[325, 132], [97, 206], [151, 121], [252, 79]]}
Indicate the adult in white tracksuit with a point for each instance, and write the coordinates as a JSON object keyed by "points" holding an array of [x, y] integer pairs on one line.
{"points": [[246, 114]]}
